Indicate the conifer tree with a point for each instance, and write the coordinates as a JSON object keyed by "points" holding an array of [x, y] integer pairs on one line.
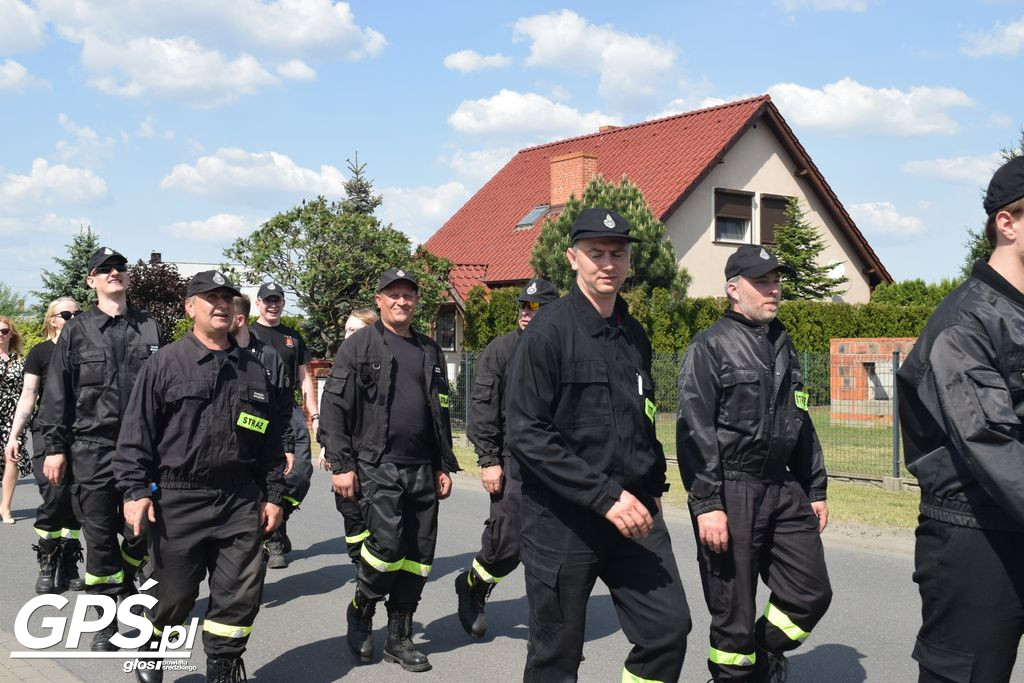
{"points": [[69, 278], [799, 245]]}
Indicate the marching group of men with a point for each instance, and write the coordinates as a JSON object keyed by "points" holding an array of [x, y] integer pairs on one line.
{"points": [[196, 455]]}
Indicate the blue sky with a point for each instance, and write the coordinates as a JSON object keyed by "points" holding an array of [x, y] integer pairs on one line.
{"points": [[179, 125]]}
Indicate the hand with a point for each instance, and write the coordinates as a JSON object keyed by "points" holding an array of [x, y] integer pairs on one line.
{"points": [[630, 516], [270, 516], [345, 484], [11, 452], [53, 468], [322, 464], [137, 510], [289, 463], [491, 477], [444, 485], [820, 508], [713, 528]]}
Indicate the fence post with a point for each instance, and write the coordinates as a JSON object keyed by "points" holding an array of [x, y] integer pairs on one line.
{"points": [[895, 418], [806, 370]]}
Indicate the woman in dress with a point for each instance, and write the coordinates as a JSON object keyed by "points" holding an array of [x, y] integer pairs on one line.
{"points": [[12, 366]]}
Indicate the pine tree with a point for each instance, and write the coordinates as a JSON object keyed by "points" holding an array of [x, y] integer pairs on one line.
{"points": [[69, 278], [359, 197], [798, 245]]}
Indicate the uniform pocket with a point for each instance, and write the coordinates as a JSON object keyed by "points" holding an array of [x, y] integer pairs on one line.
{"points": [[369, 377], [337, 380], [544, 571], [741, 394], [483, 389], [585, 394], [91, 366]]}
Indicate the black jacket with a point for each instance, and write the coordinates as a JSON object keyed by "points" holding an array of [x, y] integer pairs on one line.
{"points": [[356, 404], [197, 421], [486, 424], [91, 375], [280, 386], [961, 399], [580, 406], [739, 417]]}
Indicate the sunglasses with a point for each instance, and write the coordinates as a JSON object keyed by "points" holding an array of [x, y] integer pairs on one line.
{"points": [[4, 330], [67, 315], [531, 306], [107, 268]]}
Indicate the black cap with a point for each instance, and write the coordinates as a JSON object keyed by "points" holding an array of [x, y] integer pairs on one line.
{"points": [[394, 275], [104, 254], [592, 223], [539, 291], [270, 289], [1006, 186], [753, 260], [209, 280]]}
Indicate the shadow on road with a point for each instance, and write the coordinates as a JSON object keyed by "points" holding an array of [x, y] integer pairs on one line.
{"points": [[320, 662], [829, 662]]}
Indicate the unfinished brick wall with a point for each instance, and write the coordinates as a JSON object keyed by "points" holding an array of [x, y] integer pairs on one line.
{"points": [[861, 379]]}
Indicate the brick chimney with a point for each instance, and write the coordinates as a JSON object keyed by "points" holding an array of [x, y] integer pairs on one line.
{"points": [[154, 257], [570, 174]]}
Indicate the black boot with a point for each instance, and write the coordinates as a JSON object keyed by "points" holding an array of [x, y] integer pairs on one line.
{"points": [[286, 543], [67, 570], [48, 554], [399, 648], [225, 670], [472, 598], [771, 667], [154, 675], [101, 641], [275, 548], [360, 626]]}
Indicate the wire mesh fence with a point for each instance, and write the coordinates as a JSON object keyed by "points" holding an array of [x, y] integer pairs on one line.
{"points": [[852, 404]]}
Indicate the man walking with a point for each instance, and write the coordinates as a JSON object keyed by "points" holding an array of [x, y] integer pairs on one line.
{"points": [[500, 543], [387, 436], [580, 419], [755, 474]]}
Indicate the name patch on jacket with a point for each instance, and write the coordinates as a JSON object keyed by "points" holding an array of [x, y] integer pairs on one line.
{"points": [[801, 399], [256, 424], [650, 409], [445, 403]]}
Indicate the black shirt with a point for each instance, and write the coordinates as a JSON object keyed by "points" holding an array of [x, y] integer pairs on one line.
{"points": [[410, 431], [288, 343], [37, 362]]}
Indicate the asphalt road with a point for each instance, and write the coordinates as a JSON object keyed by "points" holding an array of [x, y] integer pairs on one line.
{"points": [[866, 636]]}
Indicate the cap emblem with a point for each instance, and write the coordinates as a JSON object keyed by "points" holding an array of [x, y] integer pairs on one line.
{"points": [[272, 287], [764, 255], [609, 222], [400, 273], [532, 289], [107, 252], [218, 278]]}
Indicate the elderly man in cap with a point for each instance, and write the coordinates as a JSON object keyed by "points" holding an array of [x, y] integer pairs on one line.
{"points": [[289, 344], [200, 462], [754, 471], [580, 425], [961, 399], [95, 363], [387, 436], [500, 543]]}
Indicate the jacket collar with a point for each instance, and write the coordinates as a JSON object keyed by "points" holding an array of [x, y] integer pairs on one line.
{"points": [[987, 274], [199, 353], [775, 328], [593, 323], [102, 320]]}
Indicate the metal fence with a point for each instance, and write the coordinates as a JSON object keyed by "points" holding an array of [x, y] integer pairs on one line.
{"points": [[852, 404]]}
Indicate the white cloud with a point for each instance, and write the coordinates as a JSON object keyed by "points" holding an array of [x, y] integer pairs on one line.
{"points": [[219, 228], [848, 106], [87, 148], [234, 171], [50, 185], [467, 61], [14, 78], [510, 112], [1006, 40], [629, 66], [148, 130], [296, 70], [21, 27], [49, 223], [823, 5], [974, 169], [881, 219], [175, 67], [479, 165], [681, 105], [420, 211]]}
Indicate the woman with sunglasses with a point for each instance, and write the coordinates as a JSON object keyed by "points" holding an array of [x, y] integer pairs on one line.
{"points": [[59, 550], [12, 366]]}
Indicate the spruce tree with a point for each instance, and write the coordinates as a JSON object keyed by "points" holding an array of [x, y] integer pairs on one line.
{"points": [[69, 278], [977, 244], [798, 245]]}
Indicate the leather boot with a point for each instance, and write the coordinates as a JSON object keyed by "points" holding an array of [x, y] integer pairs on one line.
{"points": [[154, 675], [360, 626], [225, 670], [101, 641], [48, 554], [67, 570], [472, 598], [399, 647]]}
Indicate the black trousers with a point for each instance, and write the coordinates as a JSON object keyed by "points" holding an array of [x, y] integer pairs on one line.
{"points": [[972, 602], [399, 504], [110, 564], [501, 541], [216, 532], [297, 481], [355, 525], [55, 516], [773, 532], [566, 548]]}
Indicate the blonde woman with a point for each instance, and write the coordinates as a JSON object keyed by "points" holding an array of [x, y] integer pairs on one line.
{"points": [[59, 550], [12, 366]]}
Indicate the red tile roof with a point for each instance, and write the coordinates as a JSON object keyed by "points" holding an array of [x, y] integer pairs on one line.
{"points": [[665, 158], [466, 276]]}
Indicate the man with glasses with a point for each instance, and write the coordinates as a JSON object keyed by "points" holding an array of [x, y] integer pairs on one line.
{"points": [[500, 543], [290, 345], [387, 437], [98, 356]]}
